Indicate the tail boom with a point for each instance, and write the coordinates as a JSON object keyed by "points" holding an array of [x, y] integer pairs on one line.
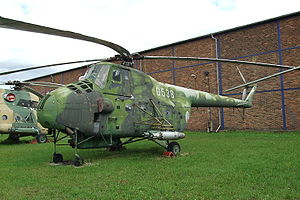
{"points": [[205, 99]]}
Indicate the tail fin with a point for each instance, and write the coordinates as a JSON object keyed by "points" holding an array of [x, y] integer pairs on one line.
{"points": [[249, 98]]}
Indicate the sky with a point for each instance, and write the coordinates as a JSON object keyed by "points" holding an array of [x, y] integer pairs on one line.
{"points": [[134, 24]]}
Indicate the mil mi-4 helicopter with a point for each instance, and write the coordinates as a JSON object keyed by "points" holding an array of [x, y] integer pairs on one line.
{"points": [[18, 114], [18, 111], [114, 101]]}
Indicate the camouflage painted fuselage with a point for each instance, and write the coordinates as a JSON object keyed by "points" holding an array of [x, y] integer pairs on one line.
{"points": [[18, 117], [112, 102]]}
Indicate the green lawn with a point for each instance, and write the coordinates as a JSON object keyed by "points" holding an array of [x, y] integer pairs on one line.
{"points": [[228, 165]]}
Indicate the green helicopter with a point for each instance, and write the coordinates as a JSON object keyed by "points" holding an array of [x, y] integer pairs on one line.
{"points": [[114, 104]]}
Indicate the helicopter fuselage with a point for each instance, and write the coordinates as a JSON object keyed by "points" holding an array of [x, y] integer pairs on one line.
{"points": [[18, 113], [112, 102]]}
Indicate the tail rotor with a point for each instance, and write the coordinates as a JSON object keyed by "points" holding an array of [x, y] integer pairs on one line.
{"points": [[245, 90]]}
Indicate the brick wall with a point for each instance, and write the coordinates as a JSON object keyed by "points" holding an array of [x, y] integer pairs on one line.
{"points": [[276, 104]]}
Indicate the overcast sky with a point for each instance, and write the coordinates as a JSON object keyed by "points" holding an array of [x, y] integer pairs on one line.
{"points": [[134, 24]]}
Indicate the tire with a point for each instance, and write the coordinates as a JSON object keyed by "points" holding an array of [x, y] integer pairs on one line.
{"points": [[41, 138], [78, 162], [174, 147], [12, 139], [57, 158]]}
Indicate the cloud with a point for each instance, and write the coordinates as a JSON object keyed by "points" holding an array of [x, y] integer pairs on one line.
{"points": [[134, 24]]}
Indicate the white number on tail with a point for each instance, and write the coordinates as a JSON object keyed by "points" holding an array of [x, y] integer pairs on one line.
{"points": [[165, 92]]}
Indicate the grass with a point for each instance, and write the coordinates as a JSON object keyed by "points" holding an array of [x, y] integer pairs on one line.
{"points": [[228, 165]]}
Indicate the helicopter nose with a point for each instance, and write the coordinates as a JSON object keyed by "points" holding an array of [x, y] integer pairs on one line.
{"points": [[47, 111]]}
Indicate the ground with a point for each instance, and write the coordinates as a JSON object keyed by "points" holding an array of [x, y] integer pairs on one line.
{"points": [[227, 165]]}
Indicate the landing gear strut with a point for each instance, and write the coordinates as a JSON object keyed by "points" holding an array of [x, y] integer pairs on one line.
{"points": [[78, 161], [57, 157]]}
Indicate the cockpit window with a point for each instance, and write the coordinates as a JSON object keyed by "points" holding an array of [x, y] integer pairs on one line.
{"points": [[98, 74], [27, 103], [116, 75]]}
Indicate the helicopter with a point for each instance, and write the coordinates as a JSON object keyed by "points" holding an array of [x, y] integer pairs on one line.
{"points": [[114, 104], [18, 111], [18, 114]]}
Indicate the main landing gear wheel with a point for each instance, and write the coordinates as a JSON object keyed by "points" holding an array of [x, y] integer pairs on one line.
{"points": [[41, 138], [174, 147], [57, 158], [12, 139], [78, 161]]}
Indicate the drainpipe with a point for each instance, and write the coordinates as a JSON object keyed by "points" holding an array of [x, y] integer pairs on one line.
{"points": [[283, 111], [218, 82], [210, 122]]}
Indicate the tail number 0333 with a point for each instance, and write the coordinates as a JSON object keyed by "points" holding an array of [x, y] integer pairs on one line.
{"points": [[165, 92]]}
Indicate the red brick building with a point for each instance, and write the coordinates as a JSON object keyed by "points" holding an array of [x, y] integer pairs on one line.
{"points": [[277, 102]]}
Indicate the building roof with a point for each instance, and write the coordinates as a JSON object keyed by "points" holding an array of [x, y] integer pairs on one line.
{"points": [[224, 31]]}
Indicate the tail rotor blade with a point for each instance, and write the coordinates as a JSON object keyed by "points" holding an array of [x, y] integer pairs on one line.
{"points": [[244, 95], [262, 79], [242, 76]]}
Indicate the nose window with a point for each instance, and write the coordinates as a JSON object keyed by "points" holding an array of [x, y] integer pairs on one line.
{"points": [[27, 103], [102, 76]]}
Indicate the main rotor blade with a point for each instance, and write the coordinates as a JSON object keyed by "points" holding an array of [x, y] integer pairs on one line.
{"points": [[34, 83], [50, 84], [23, 26], [262, 79], [52, 65], [242, 76], [212, 60], [44, 85]]}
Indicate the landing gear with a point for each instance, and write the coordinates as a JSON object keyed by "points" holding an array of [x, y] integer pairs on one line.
{"points": [[57, 158], [78, 161], [12, 139], [41, 138], [174, 147]]}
